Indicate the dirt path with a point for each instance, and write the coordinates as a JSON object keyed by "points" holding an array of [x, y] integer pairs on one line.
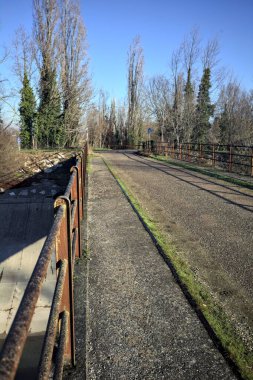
{"points": [[140, 326], [209, 221]]}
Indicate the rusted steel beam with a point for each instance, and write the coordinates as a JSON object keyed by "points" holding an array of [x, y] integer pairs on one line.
{"points": [[15, 340], [59, 362], [73, 212], [64, 251], [77, 218], [74, 245], [70, 184], [49, 340]]}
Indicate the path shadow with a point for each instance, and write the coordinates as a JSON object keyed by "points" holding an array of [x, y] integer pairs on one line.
{"points": [[156, 166]]}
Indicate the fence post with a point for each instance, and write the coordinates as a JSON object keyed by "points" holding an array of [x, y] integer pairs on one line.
{"points": [[188, 153], [230, 159], [180, 151], [213, 155], [251, 163]]}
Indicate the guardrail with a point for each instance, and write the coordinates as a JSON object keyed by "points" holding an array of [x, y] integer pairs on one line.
{"points": [[233, 158], [64, 241]]}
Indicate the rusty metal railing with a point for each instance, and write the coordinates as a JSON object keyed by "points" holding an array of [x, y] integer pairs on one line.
{"points": [[233, 158], [64, 239]]}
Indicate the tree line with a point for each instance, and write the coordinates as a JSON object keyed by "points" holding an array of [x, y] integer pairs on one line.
{"points": [[197, 101], [52, 66]]}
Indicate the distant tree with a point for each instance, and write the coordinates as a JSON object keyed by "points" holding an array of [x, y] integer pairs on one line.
{"points": [[121, 126], [135, 82], [112, 136], [204, 109], [178, 95], [191, 50], [27, 111], [236, 115], [158, 103], [189, 115]]}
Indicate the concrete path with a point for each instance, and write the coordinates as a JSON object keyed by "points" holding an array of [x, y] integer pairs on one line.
{"points": [[139, 324], [210, 223]]}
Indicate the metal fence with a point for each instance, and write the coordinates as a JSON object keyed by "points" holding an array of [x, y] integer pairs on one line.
{"points": [[233, 158], [65, 241]]}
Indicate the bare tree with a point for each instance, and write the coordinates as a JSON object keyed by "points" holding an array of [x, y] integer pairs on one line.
{"points": [[210, 54], [121, 124], [158, 103], [191, 51], [75, 81], [46, 15], [178, 94], [23, 54], [135, 82], [235, 115]]}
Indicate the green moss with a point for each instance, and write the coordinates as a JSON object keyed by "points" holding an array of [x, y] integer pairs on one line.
{"points": [[212, 311], [211, 173]]}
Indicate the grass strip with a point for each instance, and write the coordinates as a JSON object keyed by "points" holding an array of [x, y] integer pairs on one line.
{"points": [[218, 326], [214, 174], [100, 149], [89, 164]]}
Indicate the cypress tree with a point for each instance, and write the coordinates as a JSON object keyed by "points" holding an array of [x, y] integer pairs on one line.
{"points": [[27, 111], [188, 87], [189, 109], [204, 109]]}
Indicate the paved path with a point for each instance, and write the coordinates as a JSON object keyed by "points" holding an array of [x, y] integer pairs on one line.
{"points": [[139, 324], [209, 221]]}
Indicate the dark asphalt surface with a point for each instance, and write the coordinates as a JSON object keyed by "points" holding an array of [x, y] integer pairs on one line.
{"points": [[208, 220], [139, 324]]}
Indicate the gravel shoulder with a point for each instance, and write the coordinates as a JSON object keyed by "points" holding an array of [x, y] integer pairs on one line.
{"points": [[139, 324], [208, 221]]}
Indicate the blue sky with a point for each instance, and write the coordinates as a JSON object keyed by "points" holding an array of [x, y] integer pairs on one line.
{"points": [[162, 25]]}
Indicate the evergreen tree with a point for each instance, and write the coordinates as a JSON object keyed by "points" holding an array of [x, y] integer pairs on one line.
{"points": [[50, 132], [189, 109], [204, 109], [189, 92], [27, 111]]}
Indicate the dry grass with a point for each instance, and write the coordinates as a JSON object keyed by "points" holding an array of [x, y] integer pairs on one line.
{"points": [[9, 153]]}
